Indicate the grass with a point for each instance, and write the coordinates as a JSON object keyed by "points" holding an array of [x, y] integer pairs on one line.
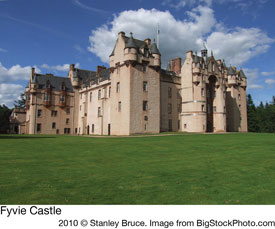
{"points": [[179, 169]]}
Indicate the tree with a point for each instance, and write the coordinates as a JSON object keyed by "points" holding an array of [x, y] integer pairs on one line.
{"points": [[21, 103], [5, 113], [252, 121]]}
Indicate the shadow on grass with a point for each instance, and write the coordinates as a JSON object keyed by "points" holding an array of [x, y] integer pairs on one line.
{"points": [[22, 137]]}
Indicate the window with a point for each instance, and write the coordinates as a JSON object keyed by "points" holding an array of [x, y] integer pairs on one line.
{"points": [[185, 125], [67, 130], [145, 126], [145, 105], [99, 112], [145, 118], [91, 96], [39, 113], [239, 96], [38, 127], [117, 87], [169, 92], [54, 113], [213, 67], [68, 110], [93, 128], [202, 107], [214, 109], [67, 120], [144, 67], [109, 92], [179, 108], [63, 87], [169, 124], [169, 108], [119, 106], [75, 130], [240, 106], [144, 85], [47, 97], [62, 99], [202, 92], [99, 94], [53, 125]]}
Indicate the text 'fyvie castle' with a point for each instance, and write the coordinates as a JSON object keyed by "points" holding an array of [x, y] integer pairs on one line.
{"points": [[135, 95]]}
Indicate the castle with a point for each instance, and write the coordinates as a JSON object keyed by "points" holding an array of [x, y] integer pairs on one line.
{"points": [[135, 95]]}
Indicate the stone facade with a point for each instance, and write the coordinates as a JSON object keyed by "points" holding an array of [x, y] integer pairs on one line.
{"points": [[135, 95], [17, 121]]}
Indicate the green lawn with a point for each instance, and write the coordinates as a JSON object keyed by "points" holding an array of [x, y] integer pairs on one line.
{"points": [[181, 169]]}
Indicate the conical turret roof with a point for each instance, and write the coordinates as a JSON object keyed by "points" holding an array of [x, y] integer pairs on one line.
{"points": [[196, 59], [131, 43], [242, 75], [154, 49], [231, 71]]}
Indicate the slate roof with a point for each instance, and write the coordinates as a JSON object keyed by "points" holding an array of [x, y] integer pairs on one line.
{"points": [[135, 43], [231, 71], [241, 74], [90, 77], [55, 82]]}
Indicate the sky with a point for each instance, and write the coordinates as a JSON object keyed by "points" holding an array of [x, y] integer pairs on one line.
{"points": [[52, 34]]}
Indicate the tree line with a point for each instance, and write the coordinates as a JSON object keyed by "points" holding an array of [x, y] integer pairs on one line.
{"points": [[261, 118]]}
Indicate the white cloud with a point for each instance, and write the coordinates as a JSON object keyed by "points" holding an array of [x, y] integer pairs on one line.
{"points": [[176, 36], [9, 93], [268, 73], [79, 49], [270, 82], [236, 45], [15, 73], [3, 50], [252, 78], [239, 45], [61, 68]]}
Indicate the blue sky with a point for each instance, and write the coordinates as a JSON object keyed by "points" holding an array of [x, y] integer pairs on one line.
{"points": [[51, 34]]}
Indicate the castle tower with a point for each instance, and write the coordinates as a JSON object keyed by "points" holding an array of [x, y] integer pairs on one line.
{"points": [[193, 92], [135, 98]]}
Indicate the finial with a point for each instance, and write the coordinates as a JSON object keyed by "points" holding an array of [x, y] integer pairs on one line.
{"points": [[131, 34]]}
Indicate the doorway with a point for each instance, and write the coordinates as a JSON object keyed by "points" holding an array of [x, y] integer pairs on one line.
{"points": [[109, 129], [210, 94]]}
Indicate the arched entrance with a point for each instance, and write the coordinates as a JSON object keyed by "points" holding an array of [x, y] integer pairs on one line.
{"points": [[210, 90]]}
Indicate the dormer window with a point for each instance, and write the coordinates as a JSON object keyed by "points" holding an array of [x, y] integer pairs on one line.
{"points": [[63, 87], [48, 84]]}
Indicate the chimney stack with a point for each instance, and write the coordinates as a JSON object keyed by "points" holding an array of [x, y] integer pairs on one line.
{"points": [[148, 41], [176, 65], [72, 67], [99, 68]]}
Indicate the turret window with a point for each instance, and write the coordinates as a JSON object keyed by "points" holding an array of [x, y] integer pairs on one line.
{"points": [[169, 108], [67, 120], [62, 98], [144, 86], [47, 97], [239, 96], [202, 92], [109, 92], [145, 105], [54, 113], [99, 94], [202, 107], [39, 113], [91, 96], [53, 125], [117, 87], [67, 110], [169, 92], [99, 112], [119, 106]]}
